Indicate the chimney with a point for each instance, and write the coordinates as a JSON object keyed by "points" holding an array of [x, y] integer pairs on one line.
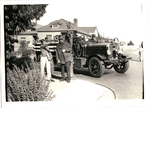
{"points": [[75, 21]]}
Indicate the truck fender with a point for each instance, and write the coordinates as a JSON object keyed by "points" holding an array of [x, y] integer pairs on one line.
{"points": [[102, 57], [125, 56], [122, 55]]}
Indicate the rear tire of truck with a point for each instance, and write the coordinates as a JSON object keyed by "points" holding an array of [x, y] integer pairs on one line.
{"points": [[96, 67], [122, 68]]}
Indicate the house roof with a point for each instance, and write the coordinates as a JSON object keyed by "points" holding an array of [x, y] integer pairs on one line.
{"points": [[38, 26], [28, 33], [89, 29], [64, 26]]}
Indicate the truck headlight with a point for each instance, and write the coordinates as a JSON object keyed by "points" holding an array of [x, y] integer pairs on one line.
{"points": [[109, 51]]}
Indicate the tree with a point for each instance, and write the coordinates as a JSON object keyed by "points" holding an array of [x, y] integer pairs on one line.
{"points": [[18, 18], [130, 43]]}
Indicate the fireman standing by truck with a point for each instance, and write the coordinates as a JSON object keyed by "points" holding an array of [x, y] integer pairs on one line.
{"points": [[64, 57]]}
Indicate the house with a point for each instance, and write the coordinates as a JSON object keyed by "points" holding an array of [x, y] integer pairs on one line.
{"points": [[59, 27], [28, 36], [54, 29], [90, 30]]}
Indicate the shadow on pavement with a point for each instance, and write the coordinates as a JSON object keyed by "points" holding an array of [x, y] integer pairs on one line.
{"points": [[83, 71]]}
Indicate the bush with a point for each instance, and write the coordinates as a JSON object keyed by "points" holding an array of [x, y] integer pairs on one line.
{"points": [[23, 52], [29, 86], [27, 52], [23, 45], [130, 43], [21, 63]]}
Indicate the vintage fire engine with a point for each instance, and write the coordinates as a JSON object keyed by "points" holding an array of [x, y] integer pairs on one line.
{"points": [[95, 56]]}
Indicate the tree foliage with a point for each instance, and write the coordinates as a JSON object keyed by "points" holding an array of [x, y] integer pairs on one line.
{"points": [[130, 43], [18, 18]]}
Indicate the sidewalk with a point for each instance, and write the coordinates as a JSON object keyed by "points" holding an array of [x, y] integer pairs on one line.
{"points": [[80, 91]]}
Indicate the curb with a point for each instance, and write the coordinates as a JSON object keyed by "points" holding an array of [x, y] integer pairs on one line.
{"points": [[80, 90]]}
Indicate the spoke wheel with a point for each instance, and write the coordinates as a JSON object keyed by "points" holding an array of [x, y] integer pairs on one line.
{"points": [[122, 67], [96, 67]]}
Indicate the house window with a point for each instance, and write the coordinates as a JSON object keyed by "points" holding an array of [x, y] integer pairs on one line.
{"points": [[23, 38], [55, 26], [49, 37], [56, 37]]}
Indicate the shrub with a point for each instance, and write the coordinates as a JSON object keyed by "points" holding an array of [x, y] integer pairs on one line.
{"points": [[130, 43], [21, 63], [23, 45], [29, 86], [26, 52]]}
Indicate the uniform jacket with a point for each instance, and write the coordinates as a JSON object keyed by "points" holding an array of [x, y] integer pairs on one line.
{"points": [[66, 56]]}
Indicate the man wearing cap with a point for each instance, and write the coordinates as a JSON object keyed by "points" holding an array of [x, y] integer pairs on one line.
{"points": [[45, 60], [93, 40], [64, 57]]}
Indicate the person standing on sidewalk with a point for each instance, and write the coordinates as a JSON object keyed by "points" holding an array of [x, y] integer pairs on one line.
{"points": [[37, 52], [51, 56], [64, 57], [140, 54], [45, 60]]}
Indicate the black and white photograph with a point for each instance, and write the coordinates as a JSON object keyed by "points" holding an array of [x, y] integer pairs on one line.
{"points": [[75, 75], [73, 55]]}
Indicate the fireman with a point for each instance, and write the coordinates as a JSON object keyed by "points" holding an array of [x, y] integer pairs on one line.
{"points": [[93, 40], [64, 57]]}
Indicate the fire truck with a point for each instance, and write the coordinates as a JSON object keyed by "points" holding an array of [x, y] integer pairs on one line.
{"points": [[95, 56]]}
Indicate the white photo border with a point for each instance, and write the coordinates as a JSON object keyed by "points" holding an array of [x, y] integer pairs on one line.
{"points": [[108, 103]]}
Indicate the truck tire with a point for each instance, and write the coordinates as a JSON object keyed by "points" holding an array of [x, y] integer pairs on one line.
{"points": [[122, 68], [96, 67]]}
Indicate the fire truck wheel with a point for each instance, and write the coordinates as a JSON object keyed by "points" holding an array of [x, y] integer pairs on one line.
{"points": [[122, 67], [96, 67]]}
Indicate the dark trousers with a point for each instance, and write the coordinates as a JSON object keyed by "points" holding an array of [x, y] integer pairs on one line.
{"points": [[38, 56], [67, 69]]}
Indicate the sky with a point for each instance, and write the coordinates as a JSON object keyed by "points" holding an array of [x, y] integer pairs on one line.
{"points": [[113, 18]]}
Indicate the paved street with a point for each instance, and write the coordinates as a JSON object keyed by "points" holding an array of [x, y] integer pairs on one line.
{"points": [[125, 86]]}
